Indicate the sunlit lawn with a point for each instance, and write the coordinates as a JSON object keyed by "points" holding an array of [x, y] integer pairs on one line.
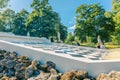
{"points": [[108, 46]]}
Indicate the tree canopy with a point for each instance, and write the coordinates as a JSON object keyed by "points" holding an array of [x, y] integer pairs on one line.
{"points": [[91, 22], [19, 27], [7, 17], [43, 20], [116, 19], [3, 3]]}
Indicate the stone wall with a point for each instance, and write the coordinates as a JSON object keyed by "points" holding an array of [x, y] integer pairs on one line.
{"points": [[19, 39]]}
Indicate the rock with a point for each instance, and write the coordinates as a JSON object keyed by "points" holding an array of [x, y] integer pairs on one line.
{"points": [[1, 75], [74, 75], [28, 73], [10, 64], [1, 56], [1, 68], [13, 54], [36, 72], [53, 72], [3, 62], [50, 64], [43, 76], [25, 62], [102, 76], [23, 57], [114, 74], [30, 69], [9, 72], [81, 74], [44, 68], [86, 79], [3, 51], [19, 66], [53, 77], [20, 74], [4, 78], [7, 56], [32, 78], [13, 78], [68, 75]]}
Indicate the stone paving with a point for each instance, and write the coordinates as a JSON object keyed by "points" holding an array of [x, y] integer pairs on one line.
{"points": [[74, 51]]}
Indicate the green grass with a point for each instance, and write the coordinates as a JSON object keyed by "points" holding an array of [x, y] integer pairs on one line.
{"points": [[111, 46], [108, 46], [88, 45]]}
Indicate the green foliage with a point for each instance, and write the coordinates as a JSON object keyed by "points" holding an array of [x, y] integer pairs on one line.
{"points": [[91, 22], [62, 29], [116, 18], [69, 39], [116, 35], [42, 19], [3, 3], [115, 6], [7, 17], [19, 27]]}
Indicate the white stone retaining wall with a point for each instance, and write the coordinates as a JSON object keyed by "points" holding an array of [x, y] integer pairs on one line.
{"points": [[63, 63], [16, 38]]}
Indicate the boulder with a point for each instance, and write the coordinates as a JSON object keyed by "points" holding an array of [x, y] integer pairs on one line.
{"points": [[103, 76], [53, 77], [10, 64], [81, 74], [3, 62], [50, 64], [9, 72], [20, 74], [43, 76], [113, 75], [1, 68], [19, 66], [28, 73], [68, 75]]}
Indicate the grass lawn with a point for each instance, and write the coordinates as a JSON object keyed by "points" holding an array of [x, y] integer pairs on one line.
{"points": [[108, 46]]}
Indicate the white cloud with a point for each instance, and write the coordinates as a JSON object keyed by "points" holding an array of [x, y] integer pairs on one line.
{"points": [[72, 28]]}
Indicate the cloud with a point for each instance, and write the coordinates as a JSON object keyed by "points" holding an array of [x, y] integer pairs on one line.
{"points": [[72, 28]]}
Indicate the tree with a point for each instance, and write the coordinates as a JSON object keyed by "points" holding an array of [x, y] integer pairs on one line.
{"points": [[19, 27], [116, 19], [3, 3], [115, 6], [62, 31], [1, 24], [70, 38], [42, 21], [91, 22], [7, 19]]}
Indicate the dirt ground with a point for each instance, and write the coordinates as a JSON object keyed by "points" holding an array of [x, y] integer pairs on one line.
{"points": [[112, 54]]}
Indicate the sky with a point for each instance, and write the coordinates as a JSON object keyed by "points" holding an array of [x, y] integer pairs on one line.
{"points": [[65, 8]]}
